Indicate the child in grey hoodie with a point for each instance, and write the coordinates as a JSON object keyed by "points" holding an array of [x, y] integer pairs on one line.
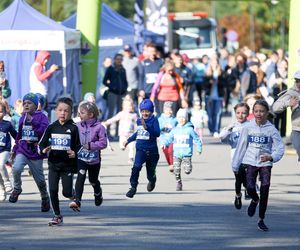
{"points": [[259, 146]]}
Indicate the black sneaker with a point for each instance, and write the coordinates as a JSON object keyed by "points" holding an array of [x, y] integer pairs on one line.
{"points": [[179, 186], [131, 192], [57, 220], [98, 199], [247, 196], [75, 206], [13, 198], [262, 226], [238, 201], [150, 186], [252, 208], [45, 206]]}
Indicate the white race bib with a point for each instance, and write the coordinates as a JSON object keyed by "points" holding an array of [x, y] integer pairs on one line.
{"points": [[2, 139], [61, 141], [151, 78], [28, 133], [142, 134]]}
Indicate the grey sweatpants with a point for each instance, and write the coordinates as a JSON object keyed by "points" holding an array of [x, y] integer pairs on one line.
{"points": [[36, 168]]}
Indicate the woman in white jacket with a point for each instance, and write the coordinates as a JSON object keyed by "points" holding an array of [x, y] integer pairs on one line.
{"points": [[259, 146]]}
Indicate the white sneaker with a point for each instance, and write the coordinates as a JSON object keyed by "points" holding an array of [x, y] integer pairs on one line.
{"points": [[2, 195], [216, 135], [8, 186]]}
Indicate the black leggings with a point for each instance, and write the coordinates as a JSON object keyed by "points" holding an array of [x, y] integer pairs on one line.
{"points": [[67, 184], [265, 177], [240, 178], [93, 178]]}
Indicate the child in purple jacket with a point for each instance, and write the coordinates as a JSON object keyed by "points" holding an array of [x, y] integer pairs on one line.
{"points": [[32, 125], [93, 139]]}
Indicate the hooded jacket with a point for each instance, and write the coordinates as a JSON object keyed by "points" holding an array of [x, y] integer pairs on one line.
{"points": [[256, 140], [282, 103], [166, 124], [37, 126], [183, 138], [146, 138], [38, 75], [91, 132]]}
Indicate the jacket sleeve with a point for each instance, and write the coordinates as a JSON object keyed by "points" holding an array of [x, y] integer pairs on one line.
{"points": [[107, 76], [42, 76], [277, 146], [102, 142], [114, 119], [282, 103], [39, 125], [12, 131], [132, 137], [154, 130], [240, 150], [19, 134], [155, 87], [76, 144], [44, 142], [196, 140], [225, 136], [168, 139]]}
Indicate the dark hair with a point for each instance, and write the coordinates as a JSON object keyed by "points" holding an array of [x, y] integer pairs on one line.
{"points": [[262, 102], [242, 105], [65, 100], [118, 55]]}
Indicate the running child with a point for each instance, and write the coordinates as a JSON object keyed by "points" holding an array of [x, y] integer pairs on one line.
{"points": [[93, 139], [6, 130], [146, 147], [32, 126], [166, 123], [61, 140], [230, 135], [183, 136], [259, 146]]}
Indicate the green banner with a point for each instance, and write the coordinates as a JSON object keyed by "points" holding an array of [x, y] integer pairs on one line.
{"points": [[294, 49], [88, 22]]}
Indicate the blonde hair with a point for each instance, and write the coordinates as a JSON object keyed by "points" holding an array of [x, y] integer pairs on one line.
{"points": [[252, 96], [90, 107], [128, 100]]}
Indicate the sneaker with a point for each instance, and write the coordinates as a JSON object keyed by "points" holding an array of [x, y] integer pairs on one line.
{"points": [[98, 199], [150, 186], [238, 201], [179, 186], [216, 135], [252, 208], [2, 195], [131, 192], [247, 196], [13, 198], [171, 168], [262, 226], [45, 206], [75, 205], [8, 186], [57, 220]]}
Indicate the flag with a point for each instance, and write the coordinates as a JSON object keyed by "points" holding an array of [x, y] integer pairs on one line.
{"points": [[139, 26]]}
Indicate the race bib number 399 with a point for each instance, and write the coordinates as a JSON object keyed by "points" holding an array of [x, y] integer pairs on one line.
{"points": [[61, 141]]}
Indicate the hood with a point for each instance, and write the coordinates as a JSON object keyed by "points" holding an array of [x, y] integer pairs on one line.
{"points": [[267, 124], [187, 125], [41, 56], [89, 122]]}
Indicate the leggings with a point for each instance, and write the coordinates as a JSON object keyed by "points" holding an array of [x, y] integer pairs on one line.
{"points": [[168, 151], [265, 176], [67, 184], [93, 170], [240, 178]]}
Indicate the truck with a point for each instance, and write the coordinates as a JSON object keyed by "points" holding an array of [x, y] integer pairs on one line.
{"points": [[192, 33]]}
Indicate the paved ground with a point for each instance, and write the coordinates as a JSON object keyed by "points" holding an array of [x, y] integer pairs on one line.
{"points": [[202, 216]]}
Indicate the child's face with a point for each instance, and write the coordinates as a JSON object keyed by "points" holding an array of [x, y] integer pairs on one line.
{"points": [[2, 113], [250, 103], [260, 114], [128, 107], [168, 111], [29, 107], [197, 106], [63, 112], [146, 113], [181, 120], [241, 114], [84, 114]]}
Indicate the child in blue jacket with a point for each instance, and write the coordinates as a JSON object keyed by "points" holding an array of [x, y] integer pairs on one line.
{"points": [[182, 136], [146, 147]]}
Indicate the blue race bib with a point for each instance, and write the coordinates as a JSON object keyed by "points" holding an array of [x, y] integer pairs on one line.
{"points": [[88, 155]]}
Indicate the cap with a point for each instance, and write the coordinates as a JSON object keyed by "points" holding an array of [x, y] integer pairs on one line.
{"points": [[182, 113], [297, 75], [127, 47], [147, 104], [168, 104], [31, 97]]}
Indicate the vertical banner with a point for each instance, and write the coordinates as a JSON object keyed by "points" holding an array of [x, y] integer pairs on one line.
{"points": [[88, 22], [139, 26], [294, 49], [157, 18]]}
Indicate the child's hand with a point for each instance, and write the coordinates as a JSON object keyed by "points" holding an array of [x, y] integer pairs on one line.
{"points": [[86, 146], [163, 147], [71, 153], [143, 123], [265, 157], [125, 143], [46, 150]]}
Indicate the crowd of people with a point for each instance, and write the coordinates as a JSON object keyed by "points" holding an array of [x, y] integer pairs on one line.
{"points": [[154, 102]]}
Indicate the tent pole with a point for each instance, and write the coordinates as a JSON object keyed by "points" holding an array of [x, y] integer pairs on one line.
{"points": [[64, 69]]}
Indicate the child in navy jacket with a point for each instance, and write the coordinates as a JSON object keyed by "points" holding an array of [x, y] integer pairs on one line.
{"points": [[146, 147]]}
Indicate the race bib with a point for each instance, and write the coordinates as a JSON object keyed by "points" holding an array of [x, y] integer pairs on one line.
{"points": [[142, 134], [2, 139], [181, 141], [258, 141], [61, 141], [88, 155], [151, 78], [28, 133]]}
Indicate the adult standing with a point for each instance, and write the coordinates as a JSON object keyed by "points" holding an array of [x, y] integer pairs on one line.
{"points": [[38, 73], [291, 99], [4, 85]]}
